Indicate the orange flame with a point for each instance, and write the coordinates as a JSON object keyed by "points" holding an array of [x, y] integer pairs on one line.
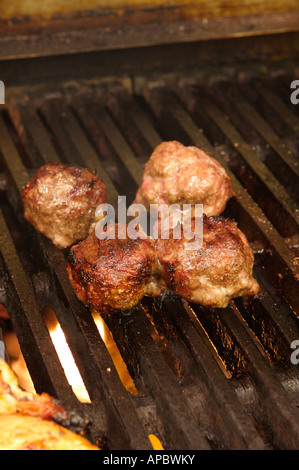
{"points": [[67, 361]]}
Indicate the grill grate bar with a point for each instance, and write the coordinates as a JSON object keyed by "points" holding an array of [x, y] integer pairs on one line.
{"points": [[272, 140], [280, 108], [121, 147], [180, 426], [265, 130], [14, 163], [274, 330], [88, 155], [284, 203], [38, 134], [271, 393], [210, 379], [125, 165]]}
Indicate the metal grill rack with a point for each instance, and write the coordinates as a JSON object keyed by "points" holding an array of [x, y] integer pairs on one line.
{"points": [[205, 378]]}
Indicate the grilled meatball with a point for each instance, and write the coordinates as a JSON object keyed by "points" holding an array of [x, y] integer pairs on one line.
{"points": [[216, 269], [176, 174], [60, 202], [111, 273]]}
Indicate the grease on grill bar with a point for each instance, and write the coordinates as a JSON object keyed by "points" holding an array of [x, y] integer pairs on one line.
{"points": [[202, 378]]}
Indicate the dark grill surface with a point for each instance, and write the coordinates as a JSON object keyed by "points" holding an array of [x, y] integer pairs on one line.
{"points": [[206, 379]]}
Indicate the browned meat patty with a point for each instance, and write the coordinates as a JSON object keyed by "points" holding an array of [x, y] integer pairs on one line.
{"points": [[60, 202], [111, 274], [214, 271], [176, 174]]}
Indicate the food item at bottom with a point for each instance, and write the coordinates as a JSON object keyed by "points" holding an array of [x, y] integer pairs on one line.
{"points": [[60, 201], [18, 432], [210, 269], [31, 421]]}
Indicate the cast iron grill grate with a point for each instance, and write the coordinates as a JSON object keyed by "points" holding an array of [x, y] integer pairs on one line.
{"points": [[205, 378]]}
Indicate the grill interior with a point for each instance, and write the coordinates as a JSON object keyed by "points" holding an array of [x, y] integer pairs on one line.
{"points": [[206, 379]]}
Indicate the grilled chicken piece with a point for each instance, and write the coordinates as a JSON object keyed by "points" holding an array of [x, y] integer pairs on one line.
{"points": [[30, 433], [60, 202], [217, 268], [27, 420], [176, 174], [112, 273]]}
